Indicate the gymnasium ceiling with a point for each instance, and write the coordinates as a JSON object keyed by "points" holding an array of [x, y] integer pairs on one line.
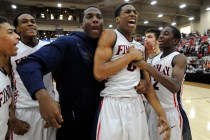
{"points": [[169, 8]]}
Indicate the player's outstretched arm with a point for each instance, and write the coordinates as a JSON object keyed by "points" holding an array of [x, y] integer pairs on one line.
{"points": [[49, 109]]}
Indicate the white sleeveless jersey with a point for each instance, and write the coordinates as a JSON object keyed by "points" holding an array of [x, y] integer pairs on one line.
{"points": [[122, 84], [22, 97], [149, 61], [167, 99], [5, 101]]}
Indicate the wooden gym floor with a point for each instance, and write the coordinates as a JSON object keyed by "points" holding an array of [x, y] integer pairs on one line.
{"points": [[196, 101]]}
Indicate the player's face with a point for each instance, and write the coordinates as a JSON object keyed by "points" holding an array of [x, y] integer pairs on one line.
{"points": [[166, 38], [150, 38], [150, 41], [26, 26], [92, 22], [127, 20], [8, 40]]}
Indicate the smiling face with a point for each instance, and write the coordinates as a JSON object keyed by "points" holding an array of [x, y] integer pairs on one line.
{"points": [[8, 40], [127, 19], [166, 38], [92, 23], [26, 26]]}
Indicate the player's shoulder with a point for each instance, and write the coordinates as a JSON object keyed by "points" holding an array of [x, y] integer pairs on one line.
{"points": [[108, 32], [109, 36], [179, 59], [139, 45]]}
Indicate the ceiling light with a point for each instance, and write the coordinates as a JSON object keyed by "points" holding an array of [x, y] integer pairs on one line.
{"points": [[173, 23], [51, 16], [126, 0], [160, 28], [191, 18], [70, 17], [160, 15], [146, 22], [110, 26], [153, 2], [13, 6], [208, 9], [182, 6], [59, 4]]}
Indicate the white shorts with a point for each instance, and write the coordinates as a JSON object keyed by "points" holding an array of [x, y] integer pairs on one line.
{"points": [[122, 119], [37, 130], [175, 121]]}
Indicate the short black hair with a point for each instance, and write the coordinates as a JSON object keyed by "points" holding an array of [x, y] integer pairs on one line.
{"points": [[15, 21], [82, 13], [119, 9], [155, 31], [3, 20], [177, 33]]}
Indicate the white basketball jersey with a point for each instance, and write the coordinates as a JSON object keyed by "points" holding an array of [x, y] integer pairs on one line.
{"points": [[167, 99], [149, 61], [122, 84], [5, 101], [22, 97]]}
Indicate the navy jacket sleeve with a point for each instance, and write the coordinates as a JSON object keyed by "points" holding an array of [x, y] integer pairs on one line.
{"points": [[32, 69]]}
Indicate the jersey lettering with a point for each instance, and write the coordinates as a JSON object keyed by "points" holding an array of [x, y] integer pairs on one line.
{"points": [[5, 94], [155, 85], [131, 67], [18, 60], [122, 49]]}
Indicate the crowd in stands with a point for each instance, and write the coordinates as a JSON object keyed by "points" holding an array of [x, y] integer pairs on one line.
{"points": [[197, 50]]}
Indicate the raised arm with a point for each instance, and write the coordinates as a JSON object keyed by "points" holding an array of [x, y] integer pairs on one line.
{"points": [[103, 66]]}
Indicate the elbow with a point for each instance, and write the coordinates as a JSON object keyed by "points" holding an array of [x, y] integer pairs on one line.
{"points": [[175, 89], [99, 77]]}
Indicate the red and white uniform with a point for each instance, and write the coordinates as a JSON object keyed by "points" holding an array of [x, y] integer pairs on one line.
{"points": [[5, 101], [26, 108], [122, 115], [167, 99]]}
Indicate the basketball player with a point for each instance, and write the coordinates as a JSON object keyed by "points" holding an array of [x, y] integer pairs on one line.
{"points": [[71, 59], [122, 114], [168, 71], [28, 121], [8, 42]]}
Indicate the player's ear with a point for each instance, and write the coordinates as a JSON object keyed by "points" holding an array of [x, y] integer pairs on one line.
{"points": [[17, 30], [81, 25], [176, 41], [117, 19]]}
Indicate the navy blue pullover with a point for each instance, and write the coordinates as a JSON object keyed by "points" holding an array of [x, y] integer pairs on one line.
{"points": [[70, 58]]}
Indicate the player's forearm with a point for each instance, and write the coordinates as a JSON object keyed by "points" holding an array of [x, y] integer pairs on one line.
{"points": [[154, 101], [42, 95], [169, 83], [107, 69]]}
